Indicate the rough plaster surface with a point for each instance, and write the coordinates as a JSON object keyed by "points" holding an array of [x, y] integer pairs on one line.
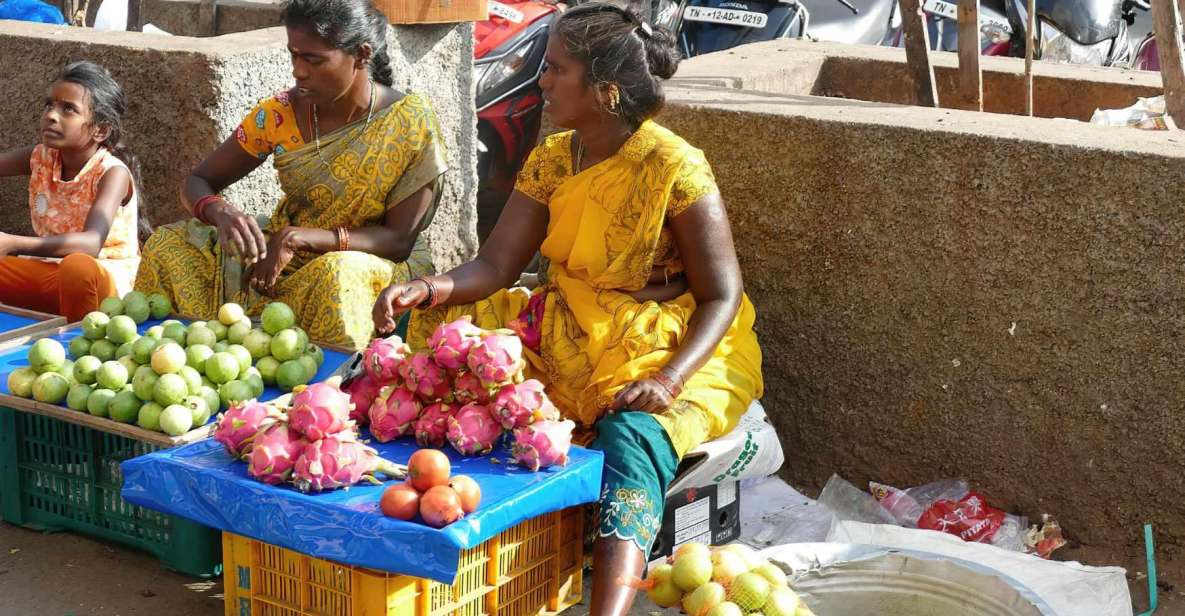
{"points": [[438, 61], [880, 74], [185, 95], [946, 293]]}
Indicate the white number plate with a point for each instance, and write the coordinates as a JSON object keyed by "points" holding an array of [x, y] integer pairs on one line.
{"points": [[728, 17], [497, 9], [941, 8]]}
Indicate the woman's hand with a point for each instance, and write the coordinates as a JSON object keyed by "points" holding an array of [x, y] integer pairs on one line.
{"points": [[646, 395], [237, 231], [6, 244], [279, 254], [396, 300]]}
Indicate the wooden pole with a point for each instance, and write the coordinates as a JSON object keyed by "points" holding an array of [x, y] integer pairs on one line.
{"points": [[1030, 36], [135, 20], [1166, 22], [917, 52], [208, 17], [970, 43]]}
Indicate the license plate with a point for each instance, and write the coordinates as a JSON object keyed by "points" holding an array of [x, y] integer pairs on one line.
{"points": [[728, 17], [941, 8], [497, 9]]}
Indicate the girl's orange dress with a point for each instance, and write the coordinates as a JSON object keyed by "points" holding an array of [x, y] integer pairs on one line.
{"points": [[77, 284]]}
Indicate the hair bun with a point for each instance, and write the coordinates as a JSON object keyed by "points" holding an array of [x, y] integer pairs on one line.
{"points": [[662, 53]]}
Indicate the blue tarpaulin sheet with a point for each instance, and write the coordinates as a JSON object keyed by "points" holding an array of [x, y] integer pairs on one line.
{"points": [[203, 483], [9, 322], [31, 10], [17, 357]]}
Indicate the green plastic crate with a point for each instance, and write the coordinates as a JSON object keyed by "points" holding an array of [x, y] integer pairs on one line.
{"points": [[60, 476]]}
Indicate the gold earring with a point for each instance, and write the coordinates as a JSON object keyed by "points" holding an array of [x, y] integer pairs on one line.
{"points": [[614, 97]]}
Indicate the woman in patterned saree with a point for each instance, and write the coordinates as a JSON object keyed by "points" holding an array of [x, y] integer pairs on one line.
{"points": [[360, 166], [641, 332]]}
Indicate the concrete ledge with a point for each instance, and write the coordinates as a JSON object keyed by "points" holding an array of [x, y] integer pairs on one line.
{"points": [[879, 74]]}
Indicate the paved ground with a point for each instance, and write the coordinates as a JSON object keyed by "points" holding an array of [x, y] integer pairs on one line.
{"points": [[66, 575]]}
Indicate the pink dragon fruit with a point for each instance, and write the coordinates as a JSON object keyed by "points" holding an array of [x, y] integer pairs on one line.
{"points": [[473, 431], [423, 377], [393, 413], [431, 429], [362, 392], [450, 343], [238, 426], [468, 388], [339, 461], [383, 357], [519, 404], [542, 444], [319, 410], [274, 454], [498, 358]]}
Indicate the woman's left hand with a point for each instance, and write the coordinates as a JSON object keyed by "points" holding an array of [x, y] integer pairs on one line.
{"points": [[646, 395], [5, 244], [279, 253]]}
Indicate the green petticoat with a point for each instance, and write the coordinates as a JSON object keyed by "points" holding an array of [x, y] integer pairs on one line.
{"points": [[640, 463]]}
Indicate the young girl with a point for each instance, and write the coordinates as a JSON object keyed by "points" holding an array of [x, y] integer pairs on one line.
{"points": [[82, 198]]}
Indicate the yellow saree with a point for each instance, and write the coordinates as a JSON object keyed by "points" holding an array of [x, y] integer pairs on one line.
{"points": [[606, 233], [360, 172]]}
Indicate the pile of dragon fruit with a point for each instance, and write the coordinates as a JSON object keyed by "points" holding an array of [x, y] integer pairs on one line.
{"points": [[311, 444], [467, 389]]}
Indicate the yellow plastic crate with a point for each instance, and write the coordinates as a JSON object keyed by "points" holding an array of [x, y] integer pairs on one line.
{"points": [[531, 569]]}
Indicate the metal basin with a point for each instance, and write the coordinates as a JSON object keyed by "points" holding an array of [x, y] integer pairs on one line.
{"points": [[860, 580]]}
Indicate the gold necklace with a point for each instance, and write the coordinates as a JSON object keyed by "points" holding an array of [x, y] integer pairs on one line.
{"points": [[317, 124], [579, 156]]}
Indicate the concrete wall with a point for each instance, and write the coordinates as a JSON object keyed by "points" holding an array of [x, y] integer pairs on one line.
{"points": [[181, 17], [946, 293], [185, 95], [438, 61], [880, 74]]}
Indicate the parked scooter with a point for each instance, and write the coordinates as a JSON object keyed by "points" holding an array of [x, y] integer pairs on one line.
{"points": [[943, 25], [1143, 39], [704, 26], [1089, 32], [508, 62]]}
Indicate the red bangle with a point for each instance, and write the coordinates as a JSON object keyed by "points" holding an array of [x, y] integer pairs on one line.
{"points": [[429, 301], [199, 207], [343, 239], [669, 384]]}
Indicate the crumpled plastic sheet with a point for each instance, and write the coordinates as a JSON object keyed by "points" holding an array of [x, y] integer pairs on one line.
{"points": [[17, 357], [201, 482]]}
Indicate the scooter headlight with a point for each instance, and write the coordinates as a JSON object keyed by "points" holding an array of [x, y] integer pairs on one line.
{"points": [[1057, 47], [994, 33], [666, 15], [493, 74]]}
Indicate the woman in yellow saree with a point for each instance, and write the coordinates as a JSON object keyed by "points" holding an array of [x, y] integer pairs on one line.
{"points": [[360, 166], [641, 332]]}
